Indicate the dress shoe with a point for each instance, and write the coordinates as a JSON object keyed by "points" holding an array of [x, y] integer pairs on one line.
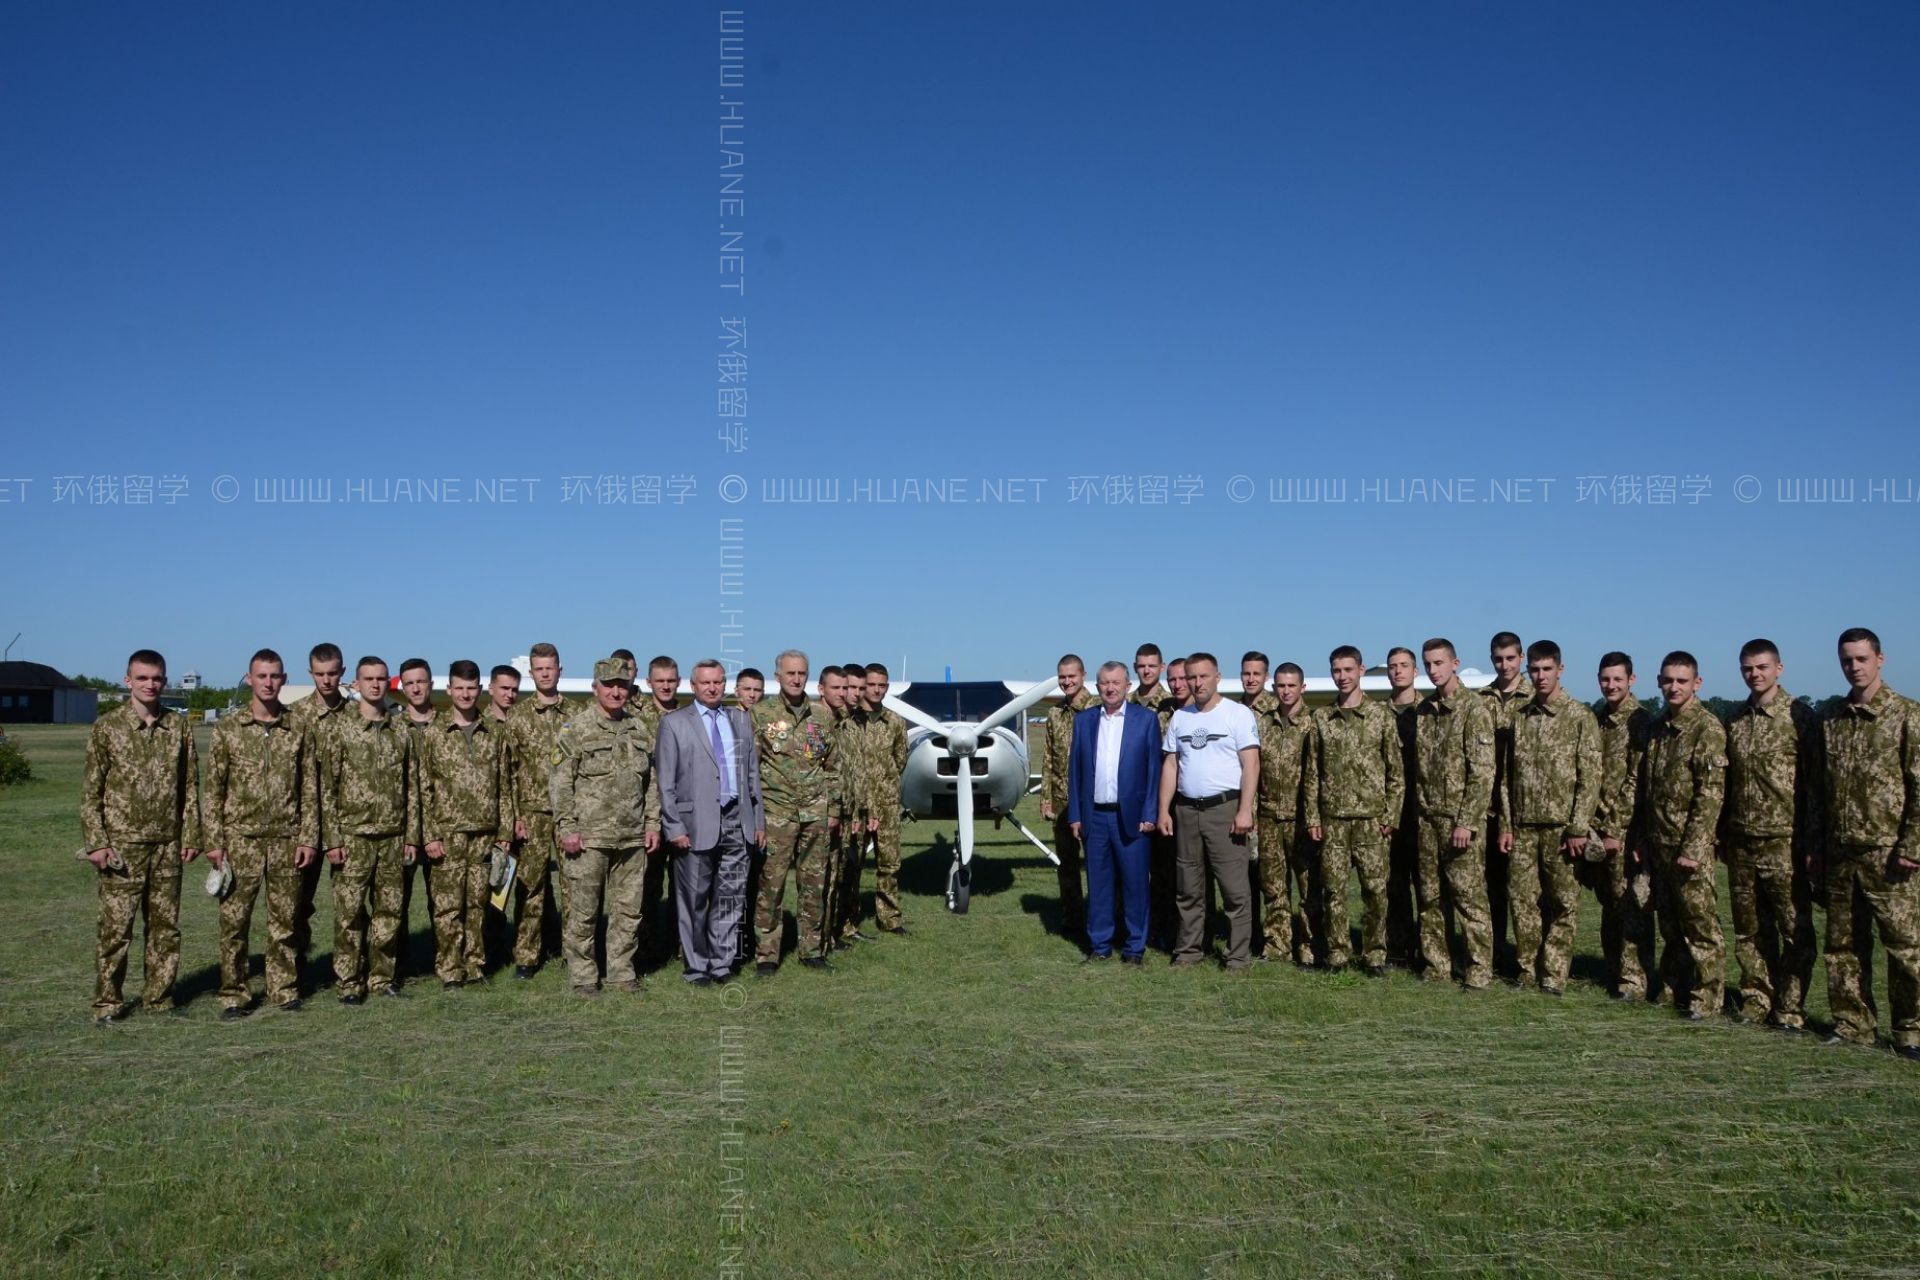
{"points": [[699, 980], [1546, 990], [1376, 971], [1137, 962]]}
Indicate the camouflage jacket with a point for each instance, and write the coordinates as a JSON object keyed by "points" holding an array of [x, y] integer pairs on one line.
{"points": [[849, 763], [1057, 749], [1873, 774], [370, 781], [1158, 700], [649, 713], [1453, 757], [1405, 724], [1623, 744], [262, 780], [532, 730], [465, 788], [602, 786], [1283, 758], [796, 760], [883, 757], [1773, 769], [1683, 780], [1503, 705], [1261, 704], [1353, 765], [142, 783], [1553, 773], [321, 722]]}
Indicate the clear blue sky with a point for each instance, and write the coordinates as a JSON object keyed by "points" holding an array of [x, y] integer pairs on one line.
{"points": [[1272, 243]]}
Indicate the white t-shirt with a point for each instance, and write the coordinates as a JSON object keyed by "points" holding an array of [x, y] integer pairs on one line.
{"points": [[1209, 745]]}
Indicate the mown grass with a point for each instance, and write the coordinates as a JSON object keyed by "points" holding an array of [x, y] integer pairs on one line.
{"points": [[965, 1101]]}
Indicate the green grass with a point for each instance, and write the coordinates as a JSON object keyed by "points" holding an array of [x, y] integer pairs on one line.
{"points": [[966, 1101]]}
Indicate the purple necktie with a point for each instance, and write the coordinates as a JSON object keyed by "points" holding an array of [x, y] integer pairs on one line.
{"points": [[720, 758]]}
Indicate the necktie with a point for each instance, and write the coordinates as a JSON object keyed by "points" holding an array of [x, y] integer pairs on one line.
{"points": [[720, 758]]}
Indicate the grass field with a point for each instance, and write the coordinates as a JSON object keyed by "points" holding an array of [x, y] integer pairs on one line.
{"points": [[966, 1101]]}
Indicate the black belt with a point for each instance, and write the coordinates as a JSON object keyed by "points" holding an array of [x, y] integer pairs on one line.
{"points": [[1207, 802], [1105, 808]]}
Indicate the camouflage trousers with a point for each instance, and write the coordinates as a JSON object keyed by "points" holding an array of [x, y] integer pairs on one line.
{"points": [[800, 847], [1772, 928], [1624, 887], [539, 862], [886, 869], [407, 873], [258, 860], [1403, 891], [1545, 898], [1353, 844], [1692, 951], [149, 888], [846, 850], [366, 912], [1073, 898], [612, 879], [1286, 874], [1855, 877], [1457, 879], [460, 895], [309, 892]]}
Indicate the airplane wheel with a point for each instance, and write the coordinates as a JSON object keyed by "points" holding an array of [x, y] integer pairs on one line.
{"points": [[959, 888]]}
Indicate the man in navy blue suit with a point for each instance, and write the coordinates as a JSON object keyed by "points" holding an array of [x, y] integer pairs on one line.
{"points": [[1113, 799]]}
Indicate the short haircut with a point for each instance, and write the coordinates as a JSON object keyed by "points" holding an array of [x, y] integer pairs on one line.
{"points": [[146, 658], [1346, 651], [1201, 655], [749, 673], [1400, 648], [1177, 662], [503, 670], [1854, 635], [1543, 651], [879, 669], [1503, 640], [324, 652], [661, 662], [1070, 660], [711, 664], [854, 671], [1681, 658], [1440, 642], [624, 655], [1254, 655], [416, 664], [464, 669], [1290, 669], [265, 655], [1615, 658], [543, 650], [828, 670], [1114, 665], [1755, 648], [1148, 650], [369, 661], [784, 654]]}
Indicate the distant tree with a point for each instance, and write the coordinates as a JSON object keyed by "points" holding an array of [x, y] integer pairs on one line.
{"points": [[14, 766]]}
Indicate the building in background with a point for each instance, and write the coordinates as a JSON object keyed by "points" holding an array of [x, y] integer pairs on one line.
{"points": [[33, 693]]}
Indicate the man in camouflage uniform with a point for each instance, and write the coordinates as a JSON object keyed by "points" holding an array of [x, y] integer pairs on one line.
{"points": [[532, 729], [417, 712], [317, 715], [1255, 697], [659, 936], [1682, 784], [846, 846], [883, 760], [1150, 693], [1403, 851], [1286, 855], [795, 740], [1871, 749], [1546, 814], [1452, 779], [1355, 791], [1619, 877], [1504, 696], [263, 819], [468, 799], [370, 792], [140, 812], [606, 814], [1768, 828], [1056, 750]]}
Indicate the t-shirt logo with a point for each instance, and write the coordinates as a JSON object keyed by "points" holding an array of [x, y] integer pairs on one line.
{"points": [[1199, 738]]}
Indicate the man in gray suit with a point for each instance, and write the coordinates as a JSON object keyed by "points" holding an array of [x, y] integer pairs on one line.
{"points": [[711, 817]]}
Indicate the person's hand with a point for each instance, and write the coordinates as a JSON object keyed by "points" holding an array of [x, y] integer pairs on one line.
{"points": [[409, 854], [1576, 846], [1242, 821], [1316, 834], [218, 857], [1905, 866], [304, 855], [1145, 828], [1686, 864], [1386, 829], [873, 825], [101, 858], [189, 854], [760, 838], [682, 842], [339, 856], [1610, 844], [833, 823], [519, 828], [437, 851], [571, 844], [1165, 825], [1046, 810], [1462, 838], [650, 842], [1076, 829], [1506, 842]]}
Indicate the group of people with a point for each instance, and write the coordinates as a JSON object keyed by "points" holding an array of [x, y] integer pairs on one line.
{"points": [[597, 805], [1456, 811], [1463, 807]]}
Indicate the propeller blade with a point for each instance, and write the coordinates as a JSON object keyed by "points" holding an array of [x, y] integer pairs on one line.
{"points": [[1050, 685], [912, 714], [966, 810]]}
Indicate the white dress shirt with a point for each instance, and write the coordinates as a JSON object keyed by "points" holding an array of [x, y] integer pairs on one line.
{"points": [[1106, 755]]}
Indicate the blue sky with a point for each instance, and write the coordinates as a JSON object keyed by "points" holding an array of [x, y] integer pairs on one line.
{"points": [[1274, 248]]}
